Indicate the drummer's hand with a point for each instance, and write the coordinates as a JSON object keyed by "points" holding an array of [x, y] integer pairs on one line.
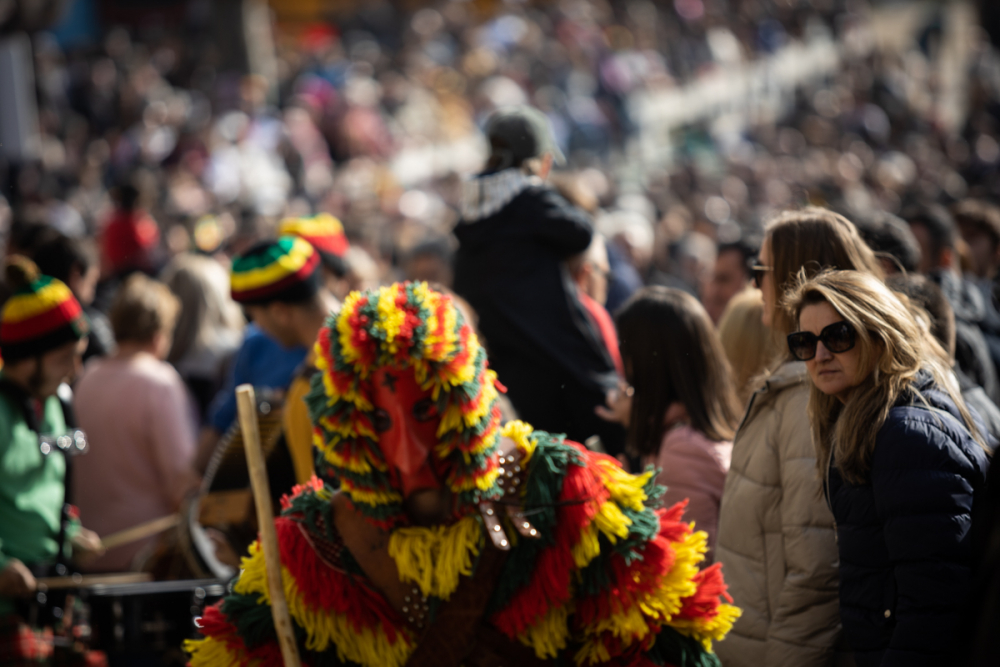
{"points": [[224, 551], [87, 546], [619, 405], [16, 580]]}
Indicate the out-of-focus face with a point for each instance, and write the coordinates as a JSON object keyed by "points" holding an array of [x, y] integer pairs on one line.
{"points": [[275, 320], [927, 260], [729, 277], [767, 285], [834, 374], [982, 250], [44, 375]]}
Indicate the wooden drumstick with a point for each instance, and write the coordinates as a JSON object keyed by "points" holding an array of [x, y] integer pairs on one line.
{"points": [[141, 531], [247, 406]]}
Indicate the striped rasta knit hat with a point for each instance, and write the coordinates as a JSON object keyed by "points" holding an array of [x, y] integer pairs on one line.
{"points": [[42, 314], [322, 230], [283, 270]]}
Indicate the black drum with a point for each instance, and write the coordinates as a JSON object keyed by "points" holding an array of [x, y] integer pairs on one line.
{"points": [[145, 624]]}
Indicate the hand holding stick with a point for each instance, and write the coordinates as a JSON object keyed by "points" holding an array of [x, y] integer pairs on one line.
{"points": [[247, 407]]}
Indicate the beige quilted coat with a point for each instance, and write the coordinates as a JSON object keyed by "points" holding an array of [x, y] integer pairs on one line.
{"points": [[776, 536]]}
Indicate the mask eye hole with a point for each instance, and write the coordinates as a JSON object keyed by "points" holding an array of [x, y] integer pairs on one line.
{"points": [[425, 410], [381, 420]]}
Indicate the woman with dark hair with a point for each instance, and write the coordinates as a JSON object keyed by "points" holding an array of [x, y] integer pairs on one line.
{"points": [[901, 460], [776, 535], [684, 409]]}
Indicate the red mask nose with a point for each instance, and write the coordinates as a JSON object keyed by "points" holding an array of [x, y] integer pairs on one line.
{"points": [[406, 420]]}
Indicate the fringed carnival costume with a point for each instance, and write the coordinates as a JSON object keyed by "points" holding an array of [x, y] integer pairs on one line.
{"points": [[554, 552]]}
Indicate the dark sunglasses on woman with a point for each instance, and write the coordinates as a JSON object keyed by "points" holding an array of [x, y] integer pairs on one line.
{"points": [[837, 337]]}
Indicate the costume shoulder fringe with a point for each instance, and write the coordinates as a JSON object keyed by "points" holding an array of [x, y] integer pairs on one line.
{"points": [[610, 574]]}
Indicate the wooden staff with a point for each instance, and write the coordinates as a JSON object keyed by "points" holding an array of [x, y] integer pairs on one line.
{"points": [[247, 407]]}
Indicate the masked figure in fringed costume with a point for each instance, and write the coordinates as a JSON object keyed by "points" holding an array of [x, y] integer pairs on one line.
{"points": [[455, 540]]}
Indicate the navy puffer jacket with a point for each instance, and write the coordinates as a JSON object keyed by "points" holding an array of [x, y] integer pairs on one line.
{"points": [[903, 536]]}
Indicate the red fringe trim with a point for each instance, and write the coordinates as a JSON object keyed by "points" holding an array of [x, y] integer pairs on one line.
{"points": [[705, 602], [322, 587]]}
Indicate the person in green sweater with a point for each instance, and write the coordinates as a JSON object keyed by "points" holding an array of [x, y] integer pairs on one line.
{"points": [[43, 333]]}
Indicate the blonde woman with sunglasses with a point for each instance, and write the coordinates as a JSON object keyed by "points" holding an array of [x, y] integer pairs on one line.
{"points": [[901, 459]]}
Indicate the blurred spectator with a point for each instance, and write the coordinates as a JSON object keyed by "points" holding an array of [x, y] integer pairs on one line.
{"points": [[890, 237], [209, 326], [278, 284], [684, 411], [935, 231], [260, 362], [41, 335], [749, 345], [131, 238], [429, 261], [75, 262], [730, 276], [979, 224], [590, 273], [136, 411], [927, 296], [623, 278], [514, 235]]}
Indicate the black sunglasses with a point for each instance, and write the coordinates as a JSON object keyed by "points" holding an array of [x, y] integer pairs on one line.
{"points": [[837, 337]]}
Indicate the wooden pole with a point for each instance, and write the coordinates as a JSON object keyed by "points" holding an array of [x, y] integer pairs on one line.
{"points": [[246, 404]]}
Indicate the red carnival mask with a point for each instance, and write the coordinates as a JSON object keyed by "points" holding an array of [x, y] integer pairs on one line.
{"points": [[406, 420]]}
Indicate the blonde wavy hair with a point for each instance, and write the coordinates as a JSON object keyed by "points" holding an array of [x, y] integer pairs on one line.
{"points": [[894, 347], [749, 345]]}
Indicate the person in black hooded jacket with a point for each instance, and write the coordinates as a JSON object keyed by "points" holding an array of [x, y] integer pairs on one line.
{"points": [[903, 464], [514, 236]]}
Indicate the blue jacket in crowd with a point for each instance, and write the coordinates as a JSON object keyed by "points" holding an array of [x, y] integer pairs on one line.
{"points": [[904, 535]]}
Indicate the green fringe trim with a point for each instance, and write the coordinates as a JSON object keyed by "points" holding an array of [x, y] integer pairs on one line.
{"points": [[544, 481]]}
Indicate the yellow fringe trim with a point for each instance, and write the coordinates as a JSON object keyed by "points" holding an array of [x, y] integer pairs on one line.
{"points": [[549, 634], [659, 605], [629, 625], [369, 646], [209, 652], [369, 497], [707, 631], [520, 433], [610, 521], [665, 600], [627, 490], [455, 418], [433, 558]]}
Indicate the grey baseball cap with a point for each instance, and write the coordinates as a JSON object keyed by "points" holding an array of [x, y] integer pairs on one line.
{"points": [[520, 133]]}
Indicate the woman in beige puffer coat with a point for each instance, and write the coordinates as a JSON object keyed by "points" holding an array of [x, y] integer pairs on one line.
{"points": [[776, 536]]}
